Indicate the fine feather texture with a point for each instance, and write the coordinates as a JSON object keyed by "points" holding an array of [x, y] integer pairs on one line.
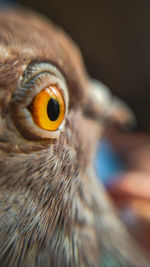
{"points": [[53, 211]]}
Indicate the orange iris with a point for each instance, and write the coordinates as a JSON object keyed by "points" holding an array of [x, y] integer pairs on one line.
{"points": [[48, 108]]}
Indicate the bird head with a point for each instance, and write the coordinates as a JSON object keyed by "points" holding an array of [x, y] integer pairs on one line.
{"points": [[53, 210]]}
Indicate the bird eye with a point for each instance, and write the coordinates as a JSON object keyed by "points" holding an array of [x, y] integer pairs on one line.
{"points": [[48, 108], [40, 103]]}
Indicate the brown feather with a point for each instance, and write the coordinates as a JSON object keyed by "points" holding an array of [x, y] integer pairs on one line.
{"points": [[53, 211]]}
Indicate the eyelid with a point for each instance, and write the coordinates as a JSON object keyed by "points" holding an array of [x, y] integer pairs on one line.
{"points": [[36, 68], [37, 77]]}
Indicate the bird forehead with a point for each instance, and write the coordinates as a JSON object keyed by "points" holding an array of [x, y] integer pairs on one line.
{"points": [[26, 37]]}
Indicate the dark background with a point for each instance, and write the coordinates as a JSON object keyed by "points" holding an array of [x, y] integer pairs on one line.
{"points": [[114, 37]]}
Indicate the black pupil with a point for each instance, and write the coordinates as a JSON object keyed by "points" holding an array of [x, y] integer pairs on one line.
{"points": [[53, 109]]}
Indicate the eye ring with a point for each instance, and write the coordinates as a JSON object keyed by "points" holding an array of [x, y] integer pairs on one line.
{"points": [[37, 78]]}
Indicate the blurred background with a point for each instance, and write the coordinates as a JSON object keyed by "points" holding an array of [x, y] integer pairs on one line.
{"points": [[114, 37]]}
